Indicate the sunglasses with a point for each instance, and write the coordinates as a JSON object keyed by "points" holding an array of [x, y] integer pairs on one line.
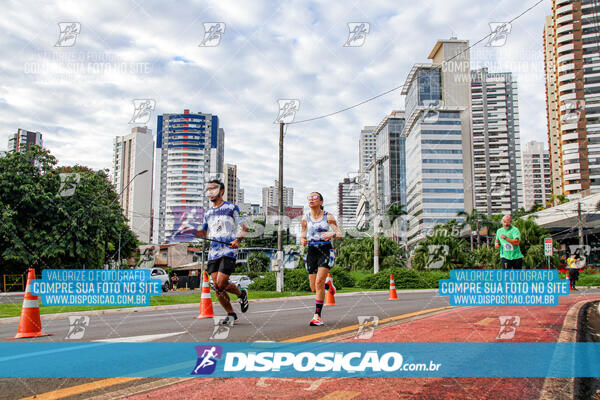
{"points": [[315, 197]]}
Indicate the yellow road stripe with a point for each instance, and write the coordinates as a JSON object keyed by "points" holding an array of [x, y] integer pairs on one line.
{"points": [[340, 395], [86, 387], [486, 321], [354, 327]]}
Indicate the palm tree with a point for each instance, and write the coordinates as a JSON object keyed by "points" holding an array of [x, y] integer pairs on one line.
{"points": [[473, 220], [395, 211]]}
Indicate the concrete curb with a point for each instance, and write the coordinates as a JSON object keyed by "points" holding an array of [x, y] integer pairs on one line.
{"points": [[51, 317], [564, 388]]}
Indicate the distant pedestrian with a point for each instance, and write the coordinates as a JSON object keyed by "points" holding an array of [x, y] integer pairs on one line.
{"points": [[573, 265], [174, 281], [508, 240]]}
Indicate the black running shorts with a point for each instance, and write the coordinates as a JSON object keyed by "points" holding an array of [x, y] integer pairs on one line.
{"points": [[225, 265], [317, 256]]}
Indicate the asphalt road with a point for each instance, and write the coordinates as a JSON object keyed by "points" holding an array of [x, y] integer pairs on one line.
{"points": [[264, 321]]}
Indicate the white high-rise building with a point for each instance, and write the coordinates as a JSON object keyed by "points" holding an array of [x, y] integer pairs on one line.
{"points": [[240, 193], [537, 184], [498, 182], [133, 154], [438, 138], [348, 195], [366, 147], [188, 154], [270, 197]]}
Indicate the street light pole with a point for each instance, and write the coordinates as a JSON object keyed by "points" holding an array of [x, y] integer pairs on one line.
{"points": [[279, 282], [117, 198], [375, 229]]}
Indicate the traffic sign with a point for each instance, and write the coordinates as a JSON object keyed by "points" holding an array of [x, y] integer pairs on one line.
{"points": [[548, 247]]}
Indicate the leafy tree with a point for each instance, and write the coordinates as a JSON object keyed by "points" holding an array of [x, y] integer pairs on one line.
{"points": [[356, 254], [556, 199], [54, 221], [474, 220]]}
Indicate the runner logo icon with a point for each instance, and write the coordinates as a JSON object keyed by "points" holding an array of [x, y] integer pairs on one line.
{"points": [[207, 359]]}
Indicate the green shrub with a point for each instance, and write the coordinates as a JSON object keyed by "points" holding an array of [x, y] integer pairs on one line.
{"points": [[267, 283], [341, 278], [368, 282], [404, 279], [296, 280]]}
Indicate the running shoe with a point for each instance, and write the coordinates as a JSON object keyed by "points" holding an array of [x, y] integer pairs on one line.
{"points": [[229, 320], [316, 321], [243, 300]]}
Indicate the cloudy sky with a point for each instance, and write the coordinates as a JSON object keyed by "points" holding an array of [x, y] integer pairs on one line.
{"points": [[80, 96]]}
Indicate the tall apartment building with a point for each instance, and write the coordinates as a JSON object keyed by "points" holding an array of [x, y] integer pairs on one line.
{"points": [[270, 196], [571, 44], [366, 147], [185, 145], [390, 161], [366, 155], [240, 193], [348, 195], [552, 115], [537, 185], [438, 138], [231, 183], [133, 154], [497, 172], [23, 139]]}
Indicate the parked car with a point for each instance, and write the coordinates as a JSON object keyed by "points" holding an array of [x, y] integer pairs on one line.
{"points": [[159, 273], [242, 281]]}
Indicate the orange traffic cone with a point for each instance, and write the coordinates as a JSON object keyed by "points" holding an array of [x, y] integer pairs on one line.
{"points": [[393, 294], [329, 296], [206, 308], [30, 324]]}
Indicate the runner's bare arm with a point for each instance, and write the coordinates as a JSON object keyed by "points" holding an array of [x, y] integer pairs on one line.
{"points": [[336, 234], [303, 240], [244, 228]]}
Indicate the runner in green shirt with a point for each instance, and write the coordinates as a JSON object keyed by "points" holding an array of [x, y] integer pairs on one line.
{"points": [[508, 239]]}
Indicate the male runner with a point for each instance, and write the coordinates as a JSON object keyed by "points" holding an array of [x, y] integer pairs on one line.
{"points": [[508, 240], [220, 223]]}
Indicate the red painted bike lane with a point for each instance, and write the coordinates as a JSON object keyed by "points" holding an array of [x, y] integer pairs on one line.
{"points": [[473, 324]]}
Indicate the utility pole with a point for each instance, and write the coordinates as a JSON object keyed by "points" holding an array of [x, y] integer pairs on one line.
{"points": [[580, 226], [279, 285], [119, 262], [375, 229]]}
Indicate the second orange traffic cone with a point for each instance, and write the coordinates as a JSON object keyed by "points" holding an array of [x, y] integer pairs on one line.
{"points": [[206, 308], [393, 294], [30, 324], [329, 296]]}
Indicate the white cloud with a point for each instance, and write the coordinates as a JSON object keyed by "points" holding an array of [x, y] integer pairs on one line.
{"points": [[270, 50]]}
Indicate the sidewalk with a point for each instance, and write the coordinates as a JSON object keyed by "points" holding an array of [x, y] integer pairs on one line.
{"points": [[473, 324]]}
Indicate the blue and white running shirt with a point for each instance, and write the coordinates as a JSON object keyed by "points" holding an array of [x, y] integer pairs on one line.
{"points": [[221, 223], [315, 228]]}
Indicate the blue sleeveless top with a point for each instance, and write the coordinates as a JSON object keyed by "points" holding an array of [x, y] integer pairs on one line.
{"points": [[314, 230]]}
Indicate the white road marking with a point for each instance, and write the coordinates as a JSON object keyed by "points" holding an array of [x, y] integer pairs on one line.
{"points": [[142, 338]]}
